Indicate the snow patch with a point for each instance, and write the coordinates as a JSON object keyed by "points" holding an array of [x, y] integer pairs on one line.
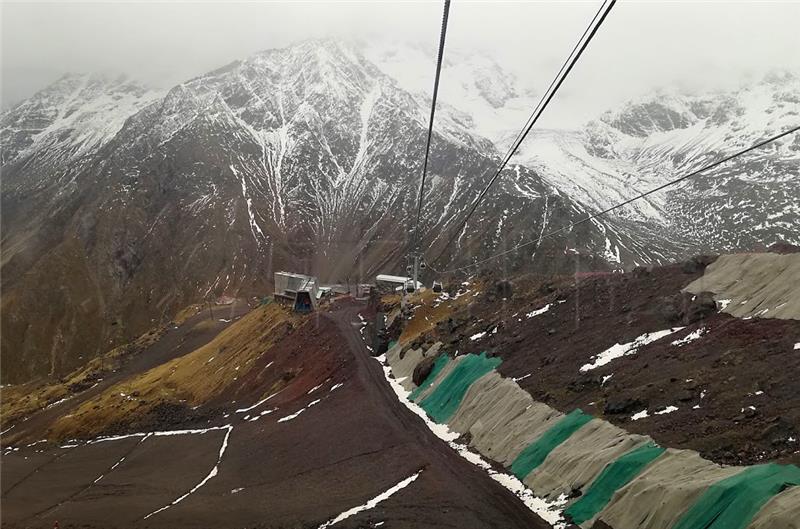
{"points": [[667, 410], [374, 501], [257, 404], [544, 309], [692, 336], [315, 388], [294, 415], [619, 350]]}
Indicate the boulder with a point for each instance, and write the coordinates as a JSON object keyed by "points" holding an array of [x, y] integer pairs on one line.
{"points": [[672, 307], [547, 287], [687, 308], [422, 370], [617, 407], [700, 307]]}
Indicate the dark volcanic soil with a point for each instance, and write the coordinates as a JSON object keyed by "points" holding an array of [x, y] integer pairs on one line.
{"points": [[713, 381], [280, 468]]}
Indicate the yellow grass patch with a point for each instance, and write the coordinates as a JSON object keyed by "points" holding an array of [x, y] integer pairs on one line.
{"points": [[22, 400], [192, 379]]}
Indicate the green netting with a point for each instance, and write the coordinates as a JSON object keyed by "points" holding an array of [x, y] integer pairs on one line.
{"points": [[443, 401], [437, 368], [733, 502], [535, 453], [613, 477]]}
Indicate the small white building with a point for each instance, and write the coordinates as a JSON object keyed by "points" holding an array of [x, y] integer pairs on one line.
{"points": [[390, 282], [302, 292]]}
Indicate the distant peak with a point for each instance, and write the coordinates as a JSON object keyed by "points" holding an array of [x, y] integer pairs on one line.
{"points": [[780, 77], [109, 82]]}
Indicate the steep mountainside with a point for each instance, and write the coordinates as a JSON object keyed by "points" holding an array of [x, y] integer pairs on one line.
{"points": [[305, 158], [72, 117], [120, 205], [749, 202]]}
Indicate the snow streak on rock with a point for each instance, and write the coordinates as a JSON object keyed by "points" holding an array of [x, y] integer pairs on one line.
{"points": [[374, 501], [620, 350], [257, 404], [301, 410], [205, 480]]}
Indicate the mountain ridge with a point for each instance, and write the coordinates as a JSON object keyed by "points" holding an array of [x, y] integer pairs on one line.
{"points": [[306, 158]]}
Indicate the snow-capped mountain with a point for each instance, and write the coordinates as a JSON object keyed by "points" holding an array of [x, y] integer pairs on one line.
{"points": [[122, 209], [121, 205], [749, 201], [640, 146], [474, 89], [74, 116]]}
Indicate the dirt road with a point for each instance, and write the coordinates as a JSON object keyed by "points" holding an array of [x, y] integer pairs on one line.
{"points": [[332, 440], [441, 456]]}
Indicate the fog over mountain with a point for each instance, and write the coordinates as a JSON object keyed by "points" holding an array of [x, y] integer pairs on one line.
{"points": [[138, 201], [210, 213], [643, 45]]}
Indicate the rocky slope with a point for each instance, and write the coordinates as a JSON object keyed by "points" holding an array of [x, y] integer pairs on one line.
{"points": [[532, 389], [644, 400]]}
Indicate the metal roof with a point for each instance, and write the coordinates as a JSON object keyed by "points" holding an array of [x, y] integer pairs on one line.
{"points": [[292, 274], [392, 279]]}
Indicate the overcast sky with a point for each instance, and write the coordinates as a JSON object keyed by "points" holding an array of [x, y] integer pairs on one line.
{"points": [[641, 46]]}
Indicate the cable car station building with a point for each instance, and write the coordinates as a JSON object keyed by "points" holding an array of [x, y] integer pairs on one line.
{"points": [[299, 291]]}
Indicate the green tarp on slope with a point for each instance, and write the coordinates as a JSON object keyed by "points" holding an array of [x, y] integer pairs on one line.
{"points": [[733, 502], [437, 368], [613, 477], [535, 453], [443, 402]]}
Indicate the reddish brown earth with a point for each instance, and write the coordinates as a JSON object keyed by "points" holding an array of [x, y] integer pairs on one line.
{"points": [[729, 364], [352, 445]]}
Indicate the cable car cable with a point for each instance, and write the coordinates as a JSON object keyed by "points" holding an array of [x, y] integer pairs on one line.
{"points": [[562, 74], [628, 201], [564, 65], [443, 33]]}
